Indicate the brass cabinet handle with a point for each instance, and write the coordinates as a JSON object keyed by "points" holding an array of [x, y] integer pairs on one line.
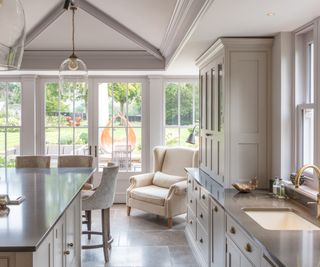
{"points": [[201, 215], [196, 188], [203, 197], [201, 240], [248, 247], [216, 209], [70, 245], [190, 222], [67, 252], [189, 181], [209, 134], [232, 230], [190, 200]]}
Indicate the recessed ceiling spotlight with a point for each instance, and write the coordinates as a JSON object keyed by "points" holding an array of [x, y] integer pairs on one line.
{"points": [[270, 14]]}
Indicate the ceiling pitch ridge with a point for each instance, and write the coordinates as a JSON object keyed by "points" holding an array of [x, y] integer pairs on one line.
{"points": [[120, 28]]}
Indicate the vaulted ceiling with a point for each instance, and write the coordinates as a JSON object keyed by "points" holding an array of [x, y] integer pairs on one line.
{"points": [[109, 34]]}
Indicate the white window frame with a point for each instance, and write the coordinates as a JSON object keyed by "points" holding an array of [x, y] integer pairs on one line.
{"points": [[302, 98], [194, 82]]}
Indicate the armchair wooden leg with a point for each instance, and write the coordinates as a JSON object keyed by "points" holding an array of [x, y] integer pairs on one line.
{"points": [[170, 222], [128, 210], [106, 235]]}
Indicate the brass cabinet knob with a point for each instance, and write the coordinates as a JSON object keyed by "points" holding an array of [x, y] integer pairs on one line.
{"points": [[196, 188], [216, 209], [67, 252], [203, 197], [248, 247], [190, 222], [201, 240], [232, 230], [189, 181], [201, 215], [70, 245], [190, 200]]}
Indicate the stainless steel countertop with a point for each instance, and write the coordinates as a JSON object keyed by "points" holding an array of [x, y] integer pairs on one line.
{"points": [[48, 193], [287, 248]]}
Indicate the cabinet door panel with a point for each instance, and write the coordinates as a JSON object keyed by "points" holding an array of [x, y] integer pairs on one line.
{"points": [[70, 235], [58, 242], [44, 254], [233, 254]]}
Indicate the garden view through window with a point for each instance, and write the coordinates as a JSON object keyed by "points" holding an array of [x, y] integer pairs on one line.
{"points": [[10, 122], [66, 121], [181, 112], [120, 125]]}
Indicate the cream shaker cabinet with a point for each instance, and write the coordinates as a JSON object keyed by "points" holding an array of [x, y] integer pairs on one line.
{"points": [[234, 90]]}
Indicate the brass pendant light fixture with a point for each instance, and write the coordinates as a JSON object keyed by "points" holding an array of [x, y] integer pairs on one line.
{"points": [[72, 68]]}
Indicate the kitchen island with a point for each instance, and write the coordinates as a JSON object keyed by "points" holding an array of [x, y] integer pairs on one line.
{"points": [[45, 229]]}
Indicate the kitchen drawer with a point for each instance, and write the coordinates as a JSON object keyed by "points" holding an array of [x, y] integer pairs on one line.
{"points": [[196, 189], [203, 242], [204, 198], [190, 184], [192, 222], [203, 216], [247, 246], [192, 202]]}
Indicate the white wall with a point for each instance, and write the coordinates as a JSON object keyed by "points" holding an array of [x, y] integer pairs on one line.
{"points": [[281, 107]]}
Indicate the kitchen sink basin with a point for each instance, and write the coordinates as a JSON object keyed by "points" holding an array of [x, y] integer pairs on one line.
{"points": [[280, 219]]}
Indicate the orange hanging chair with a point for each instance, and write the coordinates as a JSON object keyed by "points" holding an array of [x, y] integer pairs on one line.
{"points": [[106, 136]]}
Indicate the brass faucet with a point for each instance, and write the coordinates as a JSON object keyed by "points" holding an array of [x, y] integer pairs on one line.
{"points": [[297, 182]]}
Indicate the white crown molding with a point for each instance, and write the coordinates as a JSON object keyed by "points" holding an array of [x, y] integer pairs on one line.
{"points": [[184, 21], [54, 14], [95, 60], [120, 28]]}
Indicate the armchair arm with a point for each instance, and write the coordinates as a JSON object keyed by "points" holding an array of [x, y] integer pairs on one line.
{"points": [[141, 180], [179, 188]]}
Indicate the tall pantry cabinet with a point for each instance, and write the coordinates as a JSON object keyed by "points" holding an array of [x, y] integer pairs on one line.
{"points": [[235, 91]]}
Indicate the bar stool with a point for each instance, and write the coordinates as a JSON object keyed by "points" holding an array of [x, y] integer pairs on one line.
{"points": [[33, 161], [102, 198]]}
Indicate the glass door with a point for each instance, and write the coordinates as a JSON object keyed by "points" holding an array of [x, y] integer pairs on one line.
{"points": [[66, 120], [118, 124]]}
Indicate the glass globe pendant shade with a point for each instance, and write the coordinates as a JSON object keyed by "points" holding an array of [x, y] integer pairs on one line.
{"points": [[12, 34], [73, 73]]}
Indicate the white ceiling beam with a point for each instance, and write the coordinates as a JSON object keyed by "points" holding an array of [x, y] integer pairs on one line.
{"points": [[56, 12], [120, 28]]}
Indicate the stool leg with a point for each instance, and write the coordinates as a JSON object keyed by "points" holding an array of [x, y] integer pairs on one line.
{"points": [[106, 236], [88, 217], [128, 210]]}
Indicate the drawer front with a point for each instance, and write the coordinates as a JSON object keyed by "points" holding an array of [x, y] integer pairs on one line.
{"points": [[203, 216], [196, 189], [192, 202], [203, 242], [192, 222], [190, 184], [247, 246], [204, 198]]}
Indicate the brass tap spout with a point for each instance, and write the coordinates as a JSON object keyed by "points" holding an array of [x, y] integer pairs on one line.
{"points": [[297, 182], [302, 169]]}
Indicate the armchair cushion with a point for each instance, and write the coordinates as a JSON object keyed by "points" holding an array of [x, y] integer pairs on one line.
{"points": [[152, 194], [141, 179], [166, 180]]}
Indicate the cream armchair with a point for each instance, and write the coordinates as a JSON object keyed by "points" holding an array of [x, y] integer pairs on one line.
{"points": [[163, 191]]}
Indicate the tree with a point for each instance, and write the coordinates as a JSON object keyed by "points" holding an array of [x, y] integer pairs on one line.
{"points": [[123, 94]]}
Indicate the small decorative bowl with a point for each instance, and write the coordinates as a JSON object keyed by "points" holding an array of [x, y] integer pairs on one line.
{"points": [[293, 176], [246, 187]]}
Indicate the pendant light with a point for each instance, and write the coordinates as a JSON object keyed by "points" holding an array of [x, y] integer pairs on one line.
{"points": [[12, 34], [72, 69]]}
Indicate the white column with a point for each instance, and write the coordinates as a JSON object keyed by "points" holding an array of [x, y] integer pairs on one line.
{"points": [[156, 113], [28, 115]]}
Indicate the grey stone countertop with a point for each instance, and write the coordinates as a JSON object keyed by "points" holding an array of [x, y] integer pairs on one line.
{"points": [[48, 192], [287, 248]]}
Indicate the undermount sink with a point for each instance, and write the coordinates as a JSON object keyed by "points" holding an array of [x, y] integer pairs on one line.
{"points": [[280, 219]]}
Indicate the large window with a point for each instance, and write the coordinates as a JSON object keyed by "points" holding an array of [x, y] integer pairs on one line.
{"points": [[120, 124], [181, 112], [10, 122], [305, 99], [66, 120]]}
